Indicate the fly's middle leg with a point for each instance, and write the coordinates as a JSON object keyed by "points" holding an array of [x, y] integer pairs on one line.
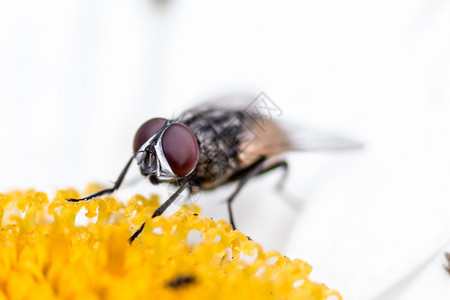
{"points": [[258, 168]]}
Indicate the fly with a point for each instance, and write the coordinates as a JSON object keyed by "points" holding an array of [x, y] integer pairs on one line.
{"points": [[213, 144]]}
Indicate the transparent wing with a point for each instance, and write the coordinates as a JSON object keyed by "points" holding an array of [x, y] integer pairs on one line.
{"points": [[267, 133], [303, 138], [272, 138], [233, 102]]}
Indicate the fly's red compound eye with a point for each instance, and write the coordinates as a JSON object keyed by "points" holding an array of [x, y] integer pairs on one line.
{"points": [[146, 131], [180, 148]]}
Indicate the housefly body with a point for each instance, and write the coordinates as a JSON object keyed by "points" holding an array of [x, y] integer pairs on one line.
{"points": [[217, 143]]}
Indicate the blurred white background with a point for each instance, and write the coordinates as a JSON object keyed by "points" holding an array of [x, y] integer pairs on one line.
{"points": [[78, 77]]}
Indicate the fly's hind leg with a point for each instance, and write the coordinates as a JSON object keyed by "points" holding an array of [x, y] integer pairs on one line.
{"points": [[251, 171], [285, 168], [447, 266], [258, 168]]}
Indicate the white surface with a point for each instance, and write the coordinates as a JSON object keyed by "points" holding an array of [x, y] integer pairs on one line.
{"points": [[77, 78]]}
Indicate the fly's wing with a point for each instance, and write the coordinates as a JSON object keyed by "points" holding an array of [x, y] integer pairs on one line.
{"points": [[230, 103], [266, 137], [263, 133], [303, 138]]}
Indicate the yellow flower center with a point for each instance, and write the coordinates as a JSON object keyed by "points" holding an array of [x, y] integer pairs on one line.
{"points": [[45, 254]]}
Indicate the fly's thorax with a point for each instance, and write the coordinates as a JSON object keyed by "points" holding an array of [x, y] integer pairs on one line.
{"points": [[219, 135]]}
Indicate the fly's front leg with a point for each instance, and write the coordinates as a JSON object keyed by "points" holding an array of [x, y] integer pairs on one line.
{"points": [[108, 190], [160, 210]]}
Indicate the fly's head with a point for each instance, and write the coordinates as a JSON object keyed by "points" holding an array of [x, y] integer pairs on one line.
{"points": [[165, 150]]}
